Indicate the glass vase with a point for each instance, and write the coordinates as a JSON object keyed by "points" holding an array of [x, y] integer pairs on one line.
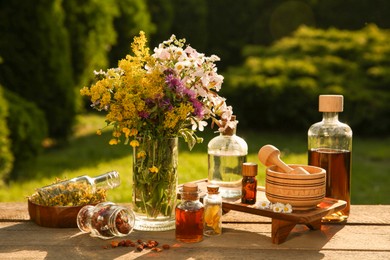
{"points": [[155, 181]]}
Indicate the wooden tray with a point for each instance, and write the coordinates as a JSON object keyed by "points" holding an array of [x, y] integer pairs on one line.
{"points": [[282, 223]]}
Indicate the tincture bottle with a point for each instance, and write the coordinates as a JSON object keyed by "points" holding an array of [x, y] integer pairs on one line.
{"points": [[249, 183], [106, 220], [212, 211], [330, 147], [189, 215], [226, 154], [88, 185]]}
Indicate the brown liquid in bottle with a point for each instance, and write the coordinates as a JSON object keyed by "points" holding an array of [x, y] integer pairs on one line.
{"points": [[189, 225], [338, 168], [249, 189]]}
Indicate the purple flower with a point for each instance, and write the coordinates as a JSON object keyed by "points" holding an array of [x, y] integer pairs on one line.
{"points": [[166, 103], [188, 92], [173, 82], [198, 107], [143, 114]]}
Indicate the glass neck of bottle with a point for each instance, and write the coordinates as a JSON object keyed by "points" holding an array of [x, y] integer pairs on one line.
{"points": [[108, 180], [330, 117]]}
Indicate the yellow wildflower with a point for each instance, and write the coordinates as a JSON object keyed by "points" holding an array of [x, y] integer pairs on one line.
{"points": [[141, 154], [99, 132], [153, 169], [133, 132], [126, 131], [116, 133], [177, 115], [134, 143], [113, 141]]}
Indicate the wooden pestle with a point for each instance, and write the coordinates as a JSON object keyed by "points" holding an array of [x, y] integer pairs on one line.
{"points": [[270, 155]]}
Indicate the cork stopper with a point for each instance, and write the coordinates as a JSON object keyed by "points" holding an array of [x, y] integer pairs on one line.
{"points": [[190, 191], [212, 189], [228, 130], [190, 187], [330, 103], [249, 169]]}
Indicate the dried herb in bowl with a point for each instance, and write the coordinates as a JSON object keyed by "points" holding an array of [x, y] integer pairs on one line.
{"points": [[69, 194]]}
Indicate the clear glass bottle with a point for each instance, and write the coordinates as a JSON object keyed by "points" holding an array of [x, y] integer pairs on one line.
{"points": [[249, 183], [189, 215], [88, 185], [106, 220], [212, 211], [226, 154], [330, 147]]}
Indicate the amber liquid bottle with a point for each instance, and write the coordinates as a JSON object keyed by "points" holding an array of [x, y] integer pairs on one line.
{"points": [[249, 183], [189, 215], [330, 147]]}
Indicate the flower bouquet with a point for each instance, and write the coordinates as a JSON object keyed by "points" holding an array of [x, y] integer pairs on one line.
{"points": [[151, 100]]}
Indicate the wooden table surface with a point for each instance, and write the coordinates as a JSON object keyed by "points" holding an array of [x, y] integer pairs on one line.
{"points": [[366, 235]]}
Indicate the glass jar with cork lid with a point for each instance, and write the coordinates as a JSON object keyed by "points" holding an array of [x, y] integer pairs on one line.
{"points": [[212, 211], [189, 215]]}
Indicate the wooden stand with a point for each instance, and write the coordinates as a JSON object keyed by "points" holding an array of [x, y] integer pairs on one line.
{"points": [[283, 223]]}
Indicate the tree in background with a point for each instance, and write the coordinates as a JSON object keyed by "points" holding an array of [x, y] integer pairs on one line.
{"points": [[281, 83], [90, 25], [6, 157], [134, 16], [162, 15], [35, 48]]}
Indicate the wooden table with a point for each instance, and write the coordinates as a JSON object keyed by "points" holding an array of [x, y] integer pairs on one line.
{"points": [[245, 236]]}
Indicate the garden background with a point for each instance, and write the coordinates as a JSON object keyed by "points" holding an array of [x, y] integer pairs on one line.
{"points": [[276, 57]]}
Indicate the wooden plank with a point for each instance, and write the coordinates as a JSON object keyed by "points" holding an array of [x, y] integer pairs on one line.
{"points": [[243, 236], [13, 211], [360, 214], [28, 240]]}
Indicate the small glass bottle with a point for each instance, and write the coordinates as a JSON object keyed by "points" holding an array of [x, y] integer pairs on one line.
{"points": [[212, 211], [88, 185], [189, 215], [226, 154], [106, 220], [249, 183], [330, 147]]}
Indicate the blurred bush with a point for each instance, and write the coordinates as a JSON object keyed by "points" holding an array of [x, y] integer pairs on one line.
{"points": [[6, 157], [27, 129], [278, 86]]}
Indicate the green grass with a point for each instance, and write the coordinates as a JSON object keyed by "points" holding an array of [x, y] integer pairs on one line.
{"points": [[89, 154]]}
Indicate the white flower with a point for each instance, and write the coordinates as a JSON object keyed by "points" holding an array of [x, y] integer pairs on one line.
{"points": [[198, 124], [161, 53], [100, 72], [179, 66], [278, 207], [287, 208], [263, 204]]}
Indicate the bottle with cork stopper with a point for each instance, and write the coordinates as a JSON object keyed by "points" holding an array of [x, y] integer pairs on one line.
{"points": [[212, 211], [249, 183], [189, 215], [330, 147], [226, 154]]}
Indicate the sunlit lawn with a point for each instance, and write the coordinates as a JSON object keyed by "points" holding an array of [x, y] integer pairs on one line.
{"points": [[89, 154]]}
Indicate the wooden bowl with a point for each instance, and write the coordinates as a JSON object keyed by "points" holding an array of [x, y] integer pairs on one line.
{"points": [[302, 191], [53, 216]]}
